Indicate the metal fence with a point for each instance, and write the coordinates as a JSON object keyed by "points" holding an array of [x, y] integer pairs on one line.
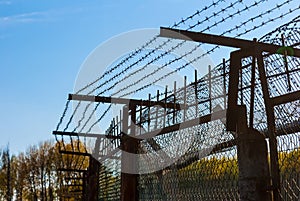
{"points": [[187, 153]]}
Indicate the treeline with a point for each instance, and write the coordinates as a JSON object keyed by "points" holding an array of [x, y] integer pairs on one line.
{"points": [[226, 168], [35, 174]]}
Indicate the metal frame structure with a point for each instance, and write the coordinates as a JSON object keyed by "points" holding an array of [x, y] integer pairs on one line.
{"points": [[239, 120], [256, 50]]}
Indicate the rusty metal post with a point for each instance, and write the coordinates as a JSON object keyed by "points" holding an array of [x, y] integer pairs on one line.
{"points": [[274, 164], [84, 186], [196, 94], [129, 182], [254, 175], [254, 179], [231, 115], [252, 95], [209, 88], [93, 179], [224, 82], [184, 97]]}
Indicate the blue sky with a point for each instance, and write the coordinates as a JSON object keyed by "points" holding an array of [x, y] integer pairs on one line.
{"points": [[44, 43]]}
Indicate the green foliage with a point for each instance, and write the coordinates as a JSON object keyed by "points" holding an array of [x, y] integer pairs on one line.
{"points": [[35, 175], [289, 162], [225, 168], [213, 168], [109, 184]]}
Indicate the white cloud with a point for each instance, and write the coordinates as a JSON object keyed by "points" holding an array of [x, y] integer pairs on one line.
{"points": [[38, 16], [23, 18]]}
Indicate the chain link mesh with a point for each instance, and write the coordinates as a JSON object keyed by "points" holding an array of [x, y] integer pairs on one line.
{"points": [[207, 169]]}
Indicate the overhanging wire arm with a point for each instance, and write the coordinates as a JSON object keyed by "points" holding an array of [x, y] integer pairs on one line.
{"points": [[196, 110]]}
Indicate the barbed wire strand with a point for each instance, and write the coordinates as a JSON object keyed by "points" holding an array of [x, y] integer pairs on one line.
{"points": [[143, 47], [169, 40], [213, 49], [153, 60], [182, 21], [246, 31], [194, 49]]}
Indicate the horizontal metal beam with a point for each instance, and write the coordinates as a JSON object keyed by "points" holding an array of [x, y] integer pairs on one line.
{"points": [[192, 157], [290, 97], [109, 157], [184, 125], [224, 41], [103, 99], [92, 135], [75, 153], [289, 128], [71, 170], [286, 129]]}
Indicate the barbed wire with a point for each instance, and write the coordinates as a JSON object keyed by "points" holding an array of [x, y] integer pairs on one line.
{"points": [[158, 57], [214, 4], [272, 19], [72, 116], [151, 61], [120, 64], [277, 30], [277, 7], [215, 24], [63, 115], [228, 31], [207, 53], [165, 43], [182, 21], [194, 49], [210, 51], [232, 154], [103, 115], [89, 118], [135, 53]]}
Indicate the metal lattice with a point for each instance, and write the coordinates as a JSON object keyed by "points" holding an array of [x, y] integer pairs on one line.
{"points": [[206, 165]]}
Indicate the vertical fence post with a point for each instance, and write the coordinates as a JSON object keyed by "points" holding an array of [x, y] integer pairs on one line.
{"points": [[185, 98], [252, 152], [174, 109], [93, 179], [129, 181], [165, 109], [274, 164], [196, 94], [286, 64], [224, 82], [149, 113], [156, 111], [252, 95], [84, 186], [209, 89]]}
